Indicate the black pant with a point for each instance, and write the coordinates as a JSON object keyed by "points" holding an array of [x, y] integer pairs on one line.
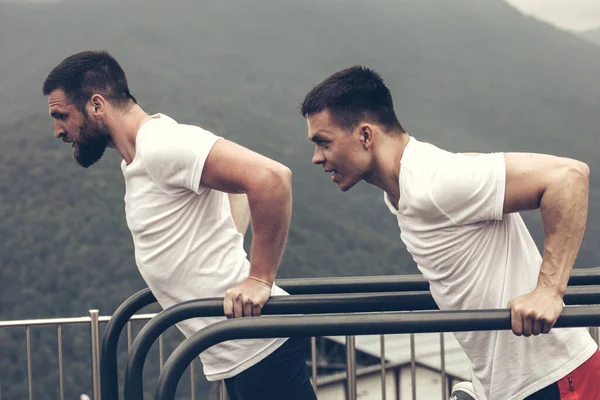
{"points": [[550, 392], [282, 375]]}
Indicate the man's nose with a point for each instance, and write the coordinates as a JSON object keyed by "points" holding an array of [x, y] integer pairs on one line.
{"points": [[318, 157], [58, 130]]}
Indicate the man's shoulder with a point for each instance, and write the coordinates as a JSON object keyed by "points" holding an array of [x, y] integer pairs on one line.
{"points": [[423, 156]]}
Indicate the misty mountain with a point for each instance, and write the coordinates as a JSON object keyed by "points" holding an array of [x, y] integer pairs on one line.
{"points": [[467, 76], [593, 35]]}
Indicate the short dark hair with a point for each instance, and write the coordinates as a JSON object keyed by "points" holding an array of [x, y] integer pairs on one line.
{"points": [[353, 95], [83, 74]]}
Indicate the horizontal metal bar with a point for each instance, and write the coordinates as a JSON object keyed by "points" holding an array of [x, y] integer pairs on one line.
{"points": [[44, 321], [396, 283], [579, 295], [353, 324]]}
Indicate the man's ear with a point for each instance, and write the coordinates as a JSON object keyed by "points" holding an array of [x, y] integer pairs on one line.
{"points": [[366, 135], [97, 105]]}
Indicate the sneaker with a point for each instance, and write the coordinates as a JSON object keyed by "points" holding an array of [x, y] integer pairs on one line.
{"points": [[463, 391]]}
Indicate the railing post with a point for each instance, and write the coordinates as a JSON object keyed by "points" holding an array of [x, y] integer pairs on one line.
{"points": [[382, 358], [29, 367], [61, 385], [413, 367], [443, 366], [351, 367], [95, 345], [313, 357]]}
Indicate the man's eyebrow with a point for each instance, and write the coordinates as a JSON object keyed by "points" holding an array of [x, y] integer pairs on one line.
{"points": [[317, 137], [57, 114]]}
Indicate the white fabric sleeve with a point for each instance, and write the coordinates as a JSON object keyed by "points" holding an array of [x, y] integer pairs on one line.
{"points": [[175, 157], [470, 189]]}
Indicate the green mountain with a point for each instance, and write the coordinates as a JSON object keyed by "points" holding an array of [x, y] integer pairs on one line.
{"points": [[468, 76]]}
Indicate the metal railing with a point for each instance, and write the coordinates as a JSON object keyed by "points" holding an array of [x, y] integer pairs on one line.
{"points": [[353, 324], [108, 370], [126, 313]]}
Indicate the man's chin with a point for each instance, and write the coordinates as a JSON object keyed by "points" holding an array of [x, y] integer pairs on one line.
{"points": [[344, 187], [87, 162]]}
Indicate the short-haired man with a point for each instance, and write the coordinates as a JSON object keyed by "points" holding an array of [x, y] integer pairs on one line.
{"points": [[186, 243], [458, 217]]}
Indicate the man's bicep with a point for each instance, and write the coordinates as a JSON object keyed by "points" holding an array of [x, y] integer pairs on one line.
{"points": [[527, 176], [232, 168]]}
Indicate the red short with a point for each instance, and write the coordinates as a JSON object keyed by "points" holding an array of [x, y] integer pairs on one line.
{"points": [[584, 382]]}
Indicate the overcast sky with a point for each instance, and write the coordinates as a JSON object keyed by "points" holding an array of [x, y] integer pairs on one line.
{"points": [[574, 15]]}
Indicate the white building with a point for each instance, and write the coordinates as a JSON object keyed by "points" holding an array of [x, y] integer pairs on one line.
{"points": [[397, 355]]}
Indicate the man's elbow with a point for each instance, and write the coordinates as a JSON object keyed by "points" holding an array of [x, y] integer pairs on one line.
{"points": [[284, 178], [276, 179], [577, 171]]}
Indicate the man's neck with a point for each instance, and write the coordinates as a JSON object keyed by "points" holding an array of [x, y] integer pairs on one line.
{"points": [[386, 171], [125, 129]]}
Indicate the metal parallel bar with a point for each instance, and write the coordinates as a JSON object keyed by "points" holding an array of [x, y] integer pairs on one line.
{"points": [[351, 367], [382, 358], [94, 336], [354, 284], [161, 353], [192, 381], [128, 335], [443, 366], [61, 387], [29, 372], [354, 324], [108, 357], [413, 368], [295, 304], [313, 356], [393, 283]]}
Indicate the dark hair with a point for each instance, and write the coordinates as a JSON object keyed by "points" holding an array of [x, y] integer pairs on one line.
{"points": [[353, 95], [84, 74]]}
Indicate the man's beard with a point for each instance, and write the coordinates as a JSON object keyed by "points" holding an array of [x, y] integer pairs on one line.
{"points": [[91, 144]]}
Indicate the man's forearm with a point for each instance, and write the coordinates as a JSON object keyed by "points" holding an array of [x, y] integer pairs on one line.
{"points": [[564, 207], [271, 210]]}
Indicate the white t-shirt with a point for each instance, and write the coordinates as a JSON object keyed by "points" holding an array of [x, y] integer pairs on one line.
{"points": [[474, 257], [186, 243]]}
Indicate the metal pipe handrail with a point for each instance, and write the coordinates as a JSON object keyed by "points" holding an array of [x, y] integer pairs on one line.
{"points": [[397, 283], [141, 299], [109, 379], [294, 304], [353, 324]]}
